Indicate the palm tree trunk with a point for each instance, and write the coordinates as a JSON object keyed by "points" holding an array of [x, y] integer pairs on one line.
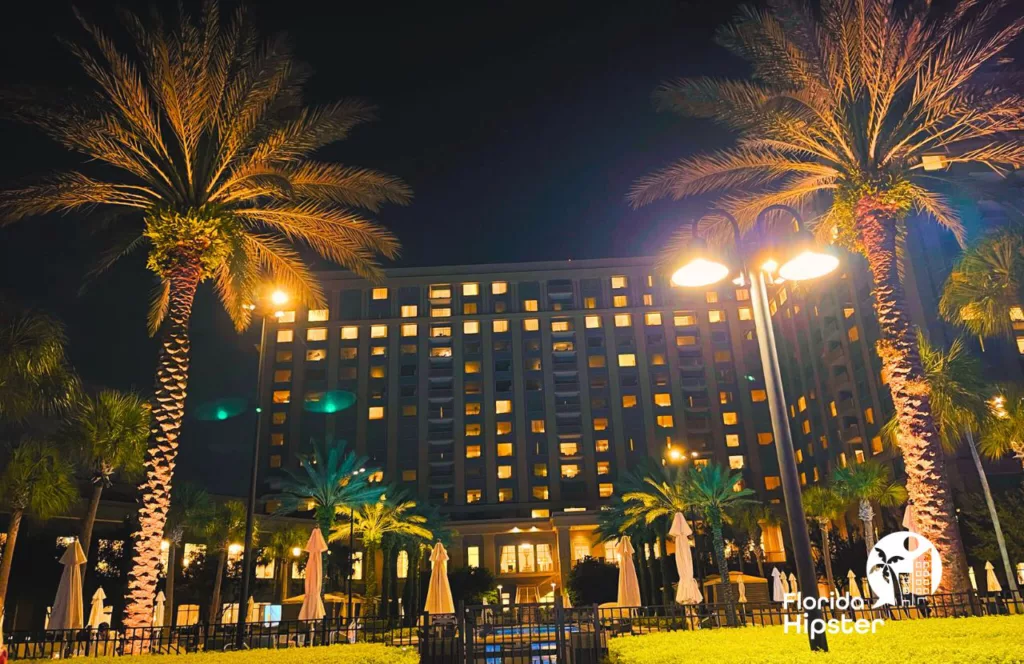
{"points": [[927, 481], [826, 554], [644, 576], [1011, 578], [170, 573], [85, 539], [666, 585], [759, 555], [5, 565], [866, 514], [282, 593], [218, 579], [725, 584], [370, 570], [168, 411]]}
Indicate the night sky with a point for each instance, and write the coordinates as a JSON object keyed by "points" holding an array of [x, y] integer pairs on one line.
{"points": [[520, 126]]}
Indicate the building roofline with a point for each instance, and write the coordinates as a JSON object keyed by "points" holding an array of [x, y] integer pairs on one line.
{"points": [[498, 268]]}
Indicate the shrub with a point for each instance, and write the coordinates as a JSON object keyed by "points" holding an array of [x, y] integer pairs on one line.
{"points": [[357, 653], [993, 640], [592, 581]]}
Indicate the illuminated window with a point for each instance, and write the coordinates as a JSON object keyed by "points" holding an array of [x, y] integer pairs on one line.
{"points": [[409, 330], [316, 334], [471, 327], [832, 408], [806, 427], [561, 326], [350, 332], [279, 418], [378, 331], [276, 439], [684, 318], [570, 470], [604, 490], [285, 336], [473, 552], [503, 428], [504, 449], [801, 403], [376, 412], [745, 313], [284, 356], [723, 356], [663, 399], [504, 495], [473, 496], [472, 408], [601, 445], [499, 288], [595, 361], [653, 318], [859, 455], [540, 470], [440, 331], [725, 397], [657, 359], [627, 360], [317, 315], [736, 462], [474, 429], [377, 371], [440, 312], [562, 346], [592, 322], [600, 423], [282, 396], [529, 305], [665, 421], [758, 395], [686, 340], [729, 419], [869, 415], [716, 315], [531, 324], [732, 440], [620, 301], [468, 308], [539, 493], [504, 472], [380, 293], [876, 445], [853, 334], [472, 451], [611, 556], [568, 449], [472, 367], [503, 406], [409, 410], [440, 291], [772, 482], [619, 281], [500, 326], [537, 426], [623, 320], [402, 565], [470, 290], [590, 303], [282, 375], [441, 351], [711, 297], [765, 438], [285, 316], [410, 311], [628, 400]]}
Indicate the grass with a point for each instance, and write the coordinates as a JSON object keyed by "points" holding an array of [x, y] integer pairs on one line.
{"points": [[993, 640], [356, 653]]}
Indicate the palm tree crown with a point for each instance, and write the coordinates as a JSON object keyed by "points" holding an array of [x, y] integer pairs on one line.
{"points": [[985, 291], [35, 377], [109, 433]]}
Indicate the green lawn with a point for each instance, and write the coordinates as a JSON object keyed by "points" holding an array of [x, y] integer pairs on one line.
{"points": [[933, 641], [358, 653]]}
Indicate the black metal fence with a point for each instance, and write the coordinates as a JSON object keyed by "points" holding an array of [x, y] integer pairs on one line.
{"points": [[538, 633]]}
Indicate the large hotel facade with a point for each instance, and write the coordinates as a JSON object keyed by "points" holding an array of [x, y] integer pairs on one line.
{"points": [[514, 396]]}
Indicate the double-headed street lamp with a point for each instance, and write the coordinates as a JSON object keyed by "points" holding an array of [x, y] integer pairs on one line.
{"points": [[795, 257]]}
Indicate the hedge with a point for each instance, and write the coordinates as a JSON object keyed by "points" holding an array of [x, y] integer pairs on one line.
{"points": [[992, 640], [356, 653]]}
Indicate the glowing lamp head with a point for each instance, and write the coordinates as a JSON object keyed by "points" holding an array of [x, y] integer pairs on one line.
{"points": [[296, 552], [675, 454], [234, 549], [699, 267], [165, 545], [806, 259], [279, 297]]}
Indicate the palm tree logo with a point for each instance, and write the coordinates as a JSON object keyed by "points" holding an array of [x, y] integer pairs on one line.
{"points": [[888, 569]]}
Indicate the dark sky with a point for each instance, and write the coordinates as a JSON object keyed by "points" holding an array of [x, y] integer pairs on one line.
{"points": [[520, 126]]}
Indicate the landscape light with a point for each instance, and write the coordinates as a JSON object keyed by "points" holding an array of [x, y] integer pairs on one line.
{"points": [[279, 297]]}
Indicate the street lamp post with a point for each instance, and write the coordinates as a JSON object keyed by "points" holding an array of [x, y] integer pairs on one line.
{"points": [[351, 560], [804, 261], [277, 298]]}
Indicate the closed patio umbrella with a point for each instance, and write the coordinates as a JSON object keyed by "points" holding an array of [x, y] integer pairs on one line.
{"points": [[312, 603], [785, 583], [253, 612], [159, 609], [741, 588], [629, 585], [96, 608], [793, 588], [865, 587], [991, 581], [67, 605], [778, 590], [439, 593], [972, 577], [854, 589], [687, 592]]}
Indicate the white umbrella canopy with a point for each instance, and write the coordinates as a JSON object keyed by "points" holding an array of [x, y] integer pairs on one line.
{"points": [[910, 518], [312, 603], [865, 587], [785, 583], [159, 609], [742, 589], [778, 589], [854, 588], [991, 581], [793, 588], [252, 613], [439, 593], [67, 605], [96, 608], [972, 577], [687, 591], [629, 585]]}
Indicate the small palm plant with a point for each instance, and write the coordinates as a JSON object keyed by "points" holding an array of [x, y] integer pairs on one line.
{"points": [[198, 140], [188, 514], [39, 480], [750, 518], [824, 506], [108, 433], [281, 545], [985, 290], [224, 527], [1004, 428], [862, 484]]}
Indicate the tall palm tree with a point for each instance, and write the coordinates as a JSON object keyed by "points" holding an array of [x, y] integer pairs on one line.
{"points": [[35, 377], [985, 290], [207, 150], [330, 479], [750, 518], [655, 531], [37, 479], [188, 514], [862, 484], [824, 506], [1004, 429], [844, 112], [617, 521], [225, 525], [959, 404], [279, 545], [108, 433], [393, 513]]}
